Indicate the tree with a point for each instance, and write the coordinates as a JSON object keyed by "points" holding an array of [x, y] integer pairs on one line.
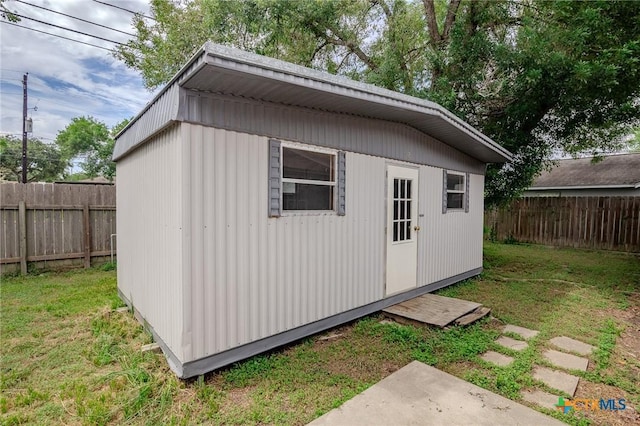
{"points": [[5, 13], [92, 141], [633, 144], [44, 161], [536, 76]]}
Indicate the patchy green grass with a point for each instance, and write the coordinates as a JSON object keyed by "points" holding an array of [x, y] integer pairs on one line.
{"points": [[67, 357]]}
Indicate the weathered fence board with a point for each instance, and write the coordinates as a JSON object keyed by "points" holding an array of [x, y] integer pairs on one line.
{"points": [[611, 223], [55, 222]]}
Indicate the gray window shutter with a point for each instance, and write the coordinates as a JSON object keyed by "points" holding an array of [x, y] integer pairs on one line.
{"points": [[341, 183], [466, 192], [444, 191], [275, 185]]}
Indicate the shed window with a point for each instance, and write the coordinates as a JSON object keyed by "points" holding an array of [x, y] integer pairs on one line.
{"points": [[305, 179], [308, 179], [455, 191]]}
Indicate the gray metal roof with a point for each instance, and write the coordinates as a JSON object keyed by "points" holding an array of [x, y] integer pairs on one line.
{"points": [[229, 71], [614, 171]]}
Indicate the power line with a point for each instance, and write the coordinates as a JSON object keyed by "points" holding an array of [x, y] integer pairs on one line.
{"points": [[55, 35], [75, 17], [126, 10], [68, 29]]}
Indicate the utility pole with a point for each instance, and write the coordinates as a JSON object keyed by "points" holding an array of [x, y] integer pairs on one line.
{"points": [[24, 128]]}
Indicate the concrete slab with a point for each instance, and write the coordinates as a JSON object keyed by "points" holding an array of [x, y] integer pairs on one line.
{"points": [[571, 345], [541, 398], [418, 394], [497, 358], [513, 344], [556, 379], [525, 333], [568, 361]]}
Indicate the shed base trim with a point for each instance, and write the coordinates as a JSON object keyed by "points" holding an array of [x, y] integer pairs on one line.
{"points": [[221, 359]]}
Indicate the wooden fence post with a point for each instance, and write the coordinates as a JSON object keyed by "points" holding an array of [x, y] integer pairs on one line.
{"points": [[87, 236], [22, 220]]}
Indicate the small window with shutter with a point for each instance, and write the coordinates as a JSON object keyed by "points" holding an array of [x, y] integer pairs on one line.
{"points": [[455, 191]]}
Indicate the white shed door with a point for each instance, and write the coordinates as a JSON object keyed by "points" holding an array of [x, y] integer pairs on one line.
{"points": [[402, 229]]}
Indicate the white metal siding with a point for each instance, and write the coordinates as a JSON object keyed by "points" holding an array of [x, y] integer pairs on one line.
{"points": [[253, 276], [149, 219], [450, 243], [156, 116], [341, 131]]}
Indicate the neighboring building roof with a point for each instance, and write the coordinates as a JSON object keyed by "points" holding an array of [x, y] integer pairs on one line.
{"points": [[224, 70], [613, 171]]}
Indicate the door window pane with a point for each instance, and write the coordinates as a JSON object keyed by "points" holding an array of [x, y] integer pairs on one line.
{"points": [[401, 210]]}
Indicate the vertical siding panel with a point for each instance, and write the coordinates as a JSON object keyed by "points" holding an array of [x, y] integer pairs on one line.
{"points": [[253, 240], [232, 252], [242, 257], [281, 305], [209, 160], [149, 233], [272, 281], [197, 239], [221, 306], [263, 274], [303, 282]]}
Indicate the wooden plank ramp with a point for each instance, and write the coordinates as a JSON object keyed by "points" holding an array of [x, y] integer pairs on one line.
{"points": [[436, 310]]}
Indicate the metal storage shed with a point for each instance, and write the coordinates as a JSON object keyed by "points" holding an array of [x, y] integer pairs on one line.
{"points": [[260, 202]]}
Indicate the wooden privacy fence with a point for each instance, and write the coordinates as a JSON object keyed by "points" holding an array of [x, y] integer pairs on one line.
{"points": [[54, 225], [610, 223]]}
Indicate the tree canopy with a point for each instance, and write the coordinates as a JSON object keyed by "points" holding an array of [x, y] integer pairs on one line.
{"points": [[536, 76], [92, 142], [45, 162]]}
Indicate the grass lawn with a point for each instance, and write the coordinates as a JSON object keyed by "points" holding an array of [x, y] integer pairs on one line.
{"points": [[67, 357]]}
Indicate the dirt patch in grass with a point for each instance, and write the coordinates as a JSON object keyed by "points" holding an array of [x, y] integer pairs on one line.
{"points": [[238, 398], [351, 357], [629, 340]]}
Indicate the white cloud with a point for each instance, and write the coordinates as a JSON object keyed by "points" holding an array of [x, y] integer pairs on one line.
{"points": [[67, 79]]}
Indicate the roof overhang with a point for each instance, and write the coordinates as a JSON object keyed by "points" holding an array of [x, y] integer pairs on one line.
{"points": [[223, 70]]}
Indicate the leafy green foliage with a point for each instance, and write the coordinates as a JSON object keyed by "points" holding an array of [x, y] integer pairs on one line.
{"points": [[45, 162], [5, 13], [536, 76], [91, 141]]}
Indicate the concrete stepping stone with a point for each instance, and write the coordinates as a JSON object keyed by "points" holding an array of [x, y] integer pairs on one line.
{"points": [[513, 344], [540, 398], [497, 358], [525, 333], [571, 345], [568, 361], [556, 379]]}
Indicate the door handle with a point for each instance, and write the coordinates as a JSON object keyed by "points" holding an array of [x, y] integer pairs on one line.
{"points": [[416, 228]]}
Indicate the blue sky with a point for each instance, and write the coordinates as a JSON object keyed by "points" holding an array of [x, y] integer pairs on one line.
{"points": [[67, 79]]}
